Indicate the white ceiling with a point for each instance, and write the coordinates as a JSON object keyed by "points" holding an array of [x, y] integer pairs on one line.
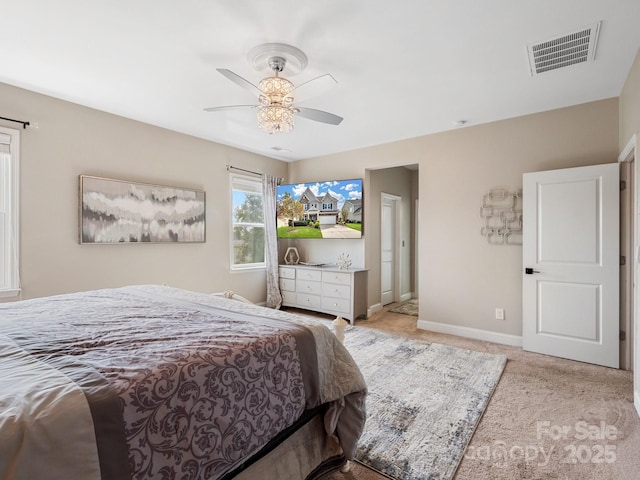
{"points": [[404, 69]]}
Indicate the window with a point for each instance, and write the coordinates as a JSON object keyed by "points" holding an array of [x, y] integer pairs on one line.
{"points": [[247, 219], [9, 266]]}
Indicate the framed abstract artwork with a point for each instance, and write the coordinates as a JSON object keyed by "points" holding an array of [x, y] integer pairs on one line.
{"points": [[118, 211]]}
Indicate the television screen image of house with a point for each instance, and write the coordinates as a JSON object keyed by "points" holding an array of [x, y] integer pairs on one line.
{"points": [[115, 211], [331, 209]]}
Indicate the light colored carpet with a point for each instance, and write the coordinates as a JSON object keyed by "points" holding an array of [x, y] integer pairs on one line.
{"points": [[537, 388], [424, 401], [407, 308]]}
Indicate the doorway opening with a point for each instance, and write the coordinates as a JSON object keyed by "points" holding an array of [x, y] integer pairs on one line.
{"points": [[391, 242], [630, 273]]}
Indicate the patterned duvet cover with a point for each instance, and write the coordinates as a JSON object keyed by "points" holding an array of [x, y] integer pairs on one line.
{"points": [[152, 382]]}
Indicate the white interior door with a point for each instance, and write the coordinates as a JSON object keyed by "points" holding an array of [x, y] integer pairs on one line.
{"points": [[571, 263], [388, 249]]}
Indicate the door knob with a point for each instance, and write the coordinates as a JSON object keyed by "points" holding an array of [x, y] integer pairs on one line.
{"points": [[530, 271]]}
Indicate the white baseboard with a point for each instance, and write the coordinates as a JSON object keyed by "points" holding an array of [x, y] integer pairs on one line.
{"points": [[378, 306], [485, 335], [636, 401], [373, 309]]}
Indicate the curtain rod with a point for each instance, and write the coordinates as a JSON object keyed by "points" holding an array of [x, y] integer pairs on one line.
{"points": [[231, 167], [24, 124]]}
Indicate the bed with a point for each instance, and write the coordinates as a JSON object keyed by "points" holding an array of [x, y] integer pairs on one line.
{"points": [[154, 382]]}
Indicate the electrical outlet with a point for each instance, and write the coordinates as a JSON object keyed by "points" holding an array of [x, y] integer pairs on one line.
{"points": [[499, 313]]}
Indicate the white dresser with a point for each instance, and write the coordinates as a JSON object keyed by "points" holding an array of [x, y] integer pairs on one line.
{"points": [[325, 289]]}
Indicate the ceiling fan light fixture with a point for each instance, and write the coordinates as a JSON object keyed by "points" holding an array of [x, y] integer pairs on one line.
{"points": [[276, 89], [275, 109], [275, 119]]}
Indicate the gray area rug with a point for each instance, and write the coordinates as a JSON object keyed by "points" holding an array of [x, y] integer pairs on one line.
{"points": [[424, 402], [408, 308]]}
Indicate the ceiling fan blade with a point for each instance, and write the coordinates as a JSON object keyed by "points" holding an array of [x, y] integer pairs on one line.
{"points": [[319, 115], [238, 80], [229, 107], [313, 87]]}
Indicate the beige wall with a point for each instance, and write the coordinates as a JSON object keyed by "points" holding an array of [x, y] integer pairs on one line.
{"points": [[462, 279], [630, 105], [73, 140]]}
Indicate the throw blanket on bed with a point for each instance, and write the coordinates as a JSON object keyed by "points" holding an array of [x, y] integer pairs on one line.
{"points": [[176, 384]]}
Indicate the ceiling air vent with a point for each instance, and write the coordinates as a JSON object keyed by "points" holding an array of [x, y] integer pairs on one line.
{"points": [[570, 49]]}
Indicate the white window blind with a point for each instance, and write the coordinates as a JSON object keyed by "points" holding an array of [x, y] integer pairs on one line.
{"points": [[9, 227]]}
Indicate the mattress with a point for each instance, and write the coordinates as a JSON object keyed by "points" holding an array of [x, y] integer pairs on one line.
{"points": [[148, 382]]}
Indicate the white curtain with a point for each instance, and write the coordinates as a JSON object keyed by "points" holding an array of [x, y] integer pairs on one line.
{"points": [[269, 191]]}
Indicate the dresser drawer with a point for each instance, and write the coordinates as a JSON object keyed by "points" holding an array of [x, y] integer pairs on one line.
{"points": [[335, 290], [304, 274], [288, 284], [337, 277], [338, 305], [303, 286], [289, 298], [308, 301], [287, 272]]}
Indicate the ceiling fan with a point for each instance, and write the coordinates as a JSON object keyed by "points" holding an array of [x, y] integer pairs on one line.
{"points": [[276, 94]]}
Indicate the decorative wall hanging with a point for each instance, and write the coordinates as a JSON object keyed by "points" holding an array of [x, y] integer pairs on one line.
{"points": [[116, 211], [502, 214]]}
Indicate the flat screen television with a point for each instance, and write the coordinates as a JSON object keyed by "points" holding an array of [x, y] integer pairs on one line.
{"points": [[331, 209]]}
